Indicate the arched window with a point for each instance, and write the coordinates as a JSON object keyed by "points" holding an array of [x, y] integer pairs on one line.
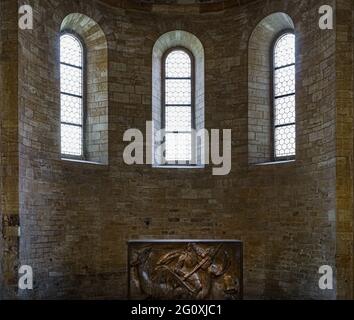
{"points": [[84, 90], [271, 90], [72, 95], [178, 101], [178, 118], [284, 126]]}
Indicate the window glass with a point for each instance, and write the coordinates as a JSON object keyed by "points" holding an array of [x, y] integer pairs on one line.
{"points": [[71, 87], [284, 97]]}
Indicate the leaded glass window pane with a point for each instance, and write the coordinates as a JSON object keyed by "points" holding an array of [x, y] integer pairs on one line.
{"points": [[178, 65], [284, 53], [284, 81], [178, 118], [178, 84], [70, 50], [284, 97], [285, 110], [178, 147], [71, 87], [285, 141], [71, 140], [178, 92], [71, 80], [71, 109]]}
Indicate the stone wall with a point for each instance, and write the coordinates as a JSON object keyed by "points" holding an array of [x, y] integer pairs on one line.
{"points": [[76, 217], [9, 204], [344, 135]]}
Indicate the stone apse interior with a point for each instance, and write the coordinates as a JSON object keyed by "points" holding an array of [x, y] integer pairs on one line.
{"points": [[70, 219]]}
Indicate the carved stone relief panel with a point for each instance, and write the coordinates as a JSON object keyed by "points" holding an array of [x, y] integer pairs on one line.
{"points": [[185, 270]]}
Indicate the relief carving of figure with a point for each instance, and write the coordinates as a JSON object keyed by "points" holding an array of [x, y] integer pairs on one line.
{"points": [[194, 272]]}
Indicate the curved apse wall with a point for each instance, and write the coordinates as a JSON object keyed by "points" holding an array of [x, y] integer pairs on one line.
{"points": [[77, 217]]}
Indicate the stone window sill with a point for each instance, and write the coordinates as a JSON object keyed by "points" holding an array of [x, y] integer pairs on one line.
{"points": [[84, 162], [274, 163], [178, 167]]}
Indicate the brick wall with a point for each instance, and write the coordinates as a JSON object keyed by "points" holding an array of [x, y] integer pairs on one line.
{"points": [[76, 218]]}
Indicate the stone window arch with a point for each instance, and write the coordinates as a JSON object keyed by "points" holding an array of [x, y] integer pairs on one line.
{"points": [[188, 49], [95, 86], [261, 88]]}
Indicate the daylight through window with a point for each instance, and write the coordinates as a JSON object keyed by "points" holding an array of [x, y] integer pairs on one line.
{"points": [[71, 87], [284, 97], [178, 106]]}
